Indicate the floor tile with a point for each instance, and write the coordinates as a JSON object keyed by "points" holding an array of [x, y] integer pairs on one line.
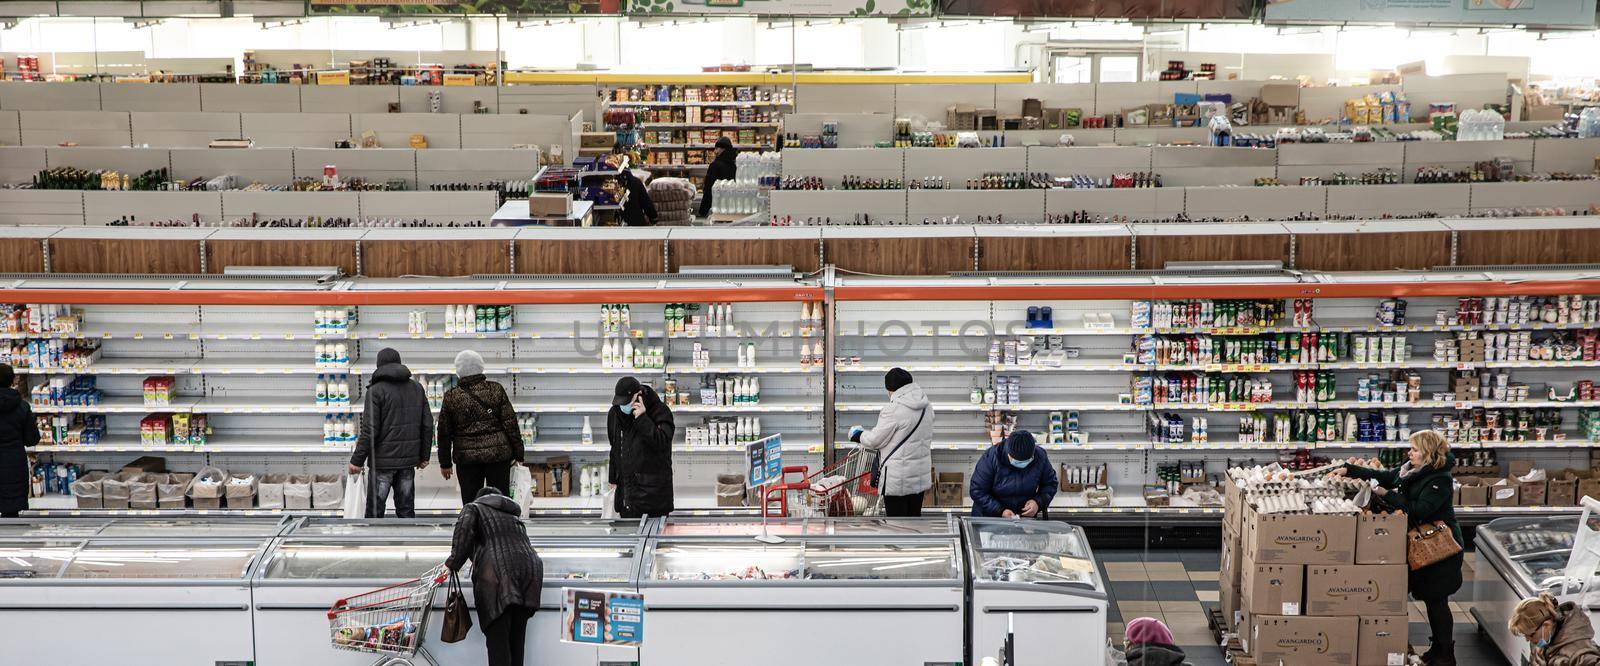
{"points": [[1166, 571], [1131, 591], [1125, 571], [1173, 591], [1214, 596]]}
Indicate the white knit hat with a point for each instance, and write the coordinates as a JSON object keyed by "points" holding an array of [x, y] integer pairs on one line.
{"points": [[468, 363]]}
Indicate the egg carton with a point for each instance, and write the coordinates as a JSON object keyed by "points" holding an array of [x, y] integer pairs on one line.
{"points": [[1334, 506]]}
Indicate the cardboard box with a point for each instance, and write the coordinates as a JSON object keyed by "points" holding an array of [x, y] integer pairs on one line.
{"points": [[1503, 492], [1532, 493], [549, 204], [1589, 488], [961, 117], [1231, 614], [1356, 589], [1563, 489], [148, 464], [1281, 94], [1232, 571], [553, 477], [948, 488], [1272, 589], [1473, 492], [1232, 506], [206, 502], [1299, 539], [1304, 641], [1383, 641], [730, 490], [1381, 538], [597, 139]]}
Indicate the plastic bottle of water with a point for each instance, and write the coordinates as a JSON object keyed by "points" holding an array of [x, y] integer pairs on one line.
{"points": [[1589, 123]]}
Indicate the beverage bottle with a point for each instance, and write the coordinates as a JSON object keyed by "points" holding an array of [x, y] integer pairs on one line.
{"points": [[588, 432], [322, 391]]}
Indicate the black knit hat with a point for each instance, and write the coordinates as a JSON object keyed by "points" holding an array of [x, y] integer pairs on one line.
{"points": [[1020, 445], [388, 355], [895, 379]]}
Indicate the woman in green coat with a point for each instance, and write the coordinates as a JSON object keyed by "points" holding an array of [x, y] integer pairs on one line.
{"points": [[1423, 489]]}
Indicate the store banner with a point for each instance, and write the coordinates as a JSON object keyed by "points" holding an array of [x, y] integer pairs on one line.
{"points": [[840, 8], [602, 617], [1104, 9], [1564, 13], [497, 7]]}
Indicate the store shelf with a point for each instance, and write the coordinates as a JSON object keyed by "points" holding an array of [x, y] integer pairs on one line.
{"points": [[713, 125], [1069, 366], [761, 103], [601, 406], [115, 406], [703, 146]]}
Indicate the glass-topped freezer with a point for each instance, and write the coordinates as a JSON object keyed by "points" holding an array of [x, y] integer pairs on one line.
{"points": [[801, 559], [674, 526], [1030, 551], [1535, 549], [1037, 578]]}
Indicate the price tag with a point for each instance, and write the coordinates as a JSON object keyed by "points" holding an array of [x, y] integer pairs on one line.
{"points": [[138, 336], [288, 336]]}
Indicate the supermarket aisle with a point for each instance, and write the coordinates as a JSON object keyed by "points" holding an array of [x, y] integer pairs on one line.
{"points": [[1179, 585]]}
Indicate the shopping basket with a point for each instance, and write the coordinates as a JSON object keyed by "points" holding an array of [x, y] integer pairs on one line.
{"points": [[390, 621], [842, 490]]}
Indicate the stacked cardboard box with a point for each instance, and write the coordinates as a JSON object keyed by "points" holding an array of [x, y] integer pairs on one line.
{"points": [[1314, 590]]}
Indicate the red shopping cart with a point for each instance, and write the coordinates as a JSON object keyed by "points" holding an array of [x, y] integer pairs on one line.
{"points": [[842, 490], [390, 622]]}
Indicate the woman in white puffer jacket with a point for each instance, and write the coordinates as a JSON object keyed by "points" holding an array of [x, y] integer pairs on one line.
{"points": [[903, 439]]}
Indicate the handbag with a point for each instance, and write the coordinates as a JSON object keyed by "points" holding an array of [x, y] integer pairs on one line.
{"points": [[1430, 543], [457, 619], [879, 458]]}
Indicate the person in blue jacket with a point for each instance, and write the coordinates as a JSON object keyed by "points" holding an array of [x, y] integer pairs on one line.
{"points": [[1013, 479]]}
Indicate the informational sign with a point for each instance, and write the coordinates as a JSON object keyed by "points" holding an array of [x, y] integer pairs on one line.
{"points": [[602, 617], [765, 461], [460, 80], [1571, 13], [334, 78], [1102, 9]]}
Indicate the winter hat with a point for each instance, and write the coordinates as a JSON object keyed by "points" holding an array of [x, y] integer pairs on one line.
{"points": [[1148, 630], [468, 363], [896, 379], [1020, 445], [387, 356]]}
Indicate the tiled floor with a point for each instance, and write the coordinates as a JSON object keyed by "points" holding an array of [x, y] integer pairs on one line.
{"points": [[1178, 586]]}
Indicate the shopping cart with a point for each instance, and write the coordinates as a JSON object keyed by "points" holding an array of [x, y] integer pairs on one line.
{"points": [[839, 491], [390, 622]]}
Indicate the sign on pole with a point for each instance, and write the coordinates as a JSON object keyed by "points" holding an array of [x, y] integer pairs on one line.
{"points": [[765, 458], [602, 617]]}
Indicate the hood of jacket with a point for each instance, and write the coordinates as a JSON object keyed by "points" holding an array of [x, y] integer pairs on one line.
{"points": [[1154, 654], [391, 372], [9, 399], [1575, 629], [911, 396], [499, 503]]}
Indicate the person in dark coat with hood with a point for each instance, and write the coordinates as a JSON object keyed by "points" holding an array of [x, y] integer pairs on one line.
{"points": [[1013, 479], [640, 428], [1424, 490], [396, 434], [638, 210], [1148, 642], [507, 574], [723, 167], [18, 431]]}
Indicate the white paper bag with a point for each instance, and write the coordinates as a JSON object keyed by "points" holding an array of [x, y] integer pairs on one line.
{"points": [[522, 488], [608, 503], [355, 495]]}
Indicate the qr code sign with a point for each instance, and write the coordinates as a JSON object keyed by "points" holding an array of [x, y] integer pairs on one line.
{"points": [[588, 628]]}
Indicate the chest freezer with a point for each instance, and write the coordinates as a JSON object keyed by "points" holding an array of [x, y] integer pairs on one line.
{"points": [[149, 592], [1038, 580], [879, 592]]}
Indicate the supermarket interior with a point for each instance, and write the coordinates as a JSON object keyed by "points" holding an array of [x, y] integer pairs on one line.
{"points": [[891, 330]]}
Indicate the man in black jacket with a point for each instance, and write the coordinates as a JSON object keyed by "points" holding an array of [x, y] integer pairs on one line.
{"points": [[638, 210], [397, 433], [18, 430], [640, 428]]}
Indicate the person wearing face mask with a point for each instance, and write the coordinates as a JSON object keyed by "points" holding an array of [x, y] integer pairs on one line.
{"points": [[1558, 634], [1424, 490], [1013, 479], [640, 429]]}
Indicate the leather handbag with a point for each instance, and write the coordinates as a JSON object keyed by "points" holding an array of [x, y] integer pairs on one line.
{"points": [[457, 619], [879, 458], [1429, 544]]}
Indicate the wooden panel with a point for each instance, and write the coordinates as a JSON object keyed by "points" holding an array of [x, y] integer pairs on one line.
{"points": [[21, 255], [1372, 251], [136, 256], [1564, 246], [387, 259], [1054, 254], [1156, 251], [223, 253], [568, 257], [800, 253], [901, 256]]}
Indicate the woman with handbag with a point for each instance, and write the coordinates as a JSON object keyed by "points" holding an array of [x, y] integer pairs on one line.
{"points": [[1423, 489], [903, 442], [479, 438], [507, 576]]}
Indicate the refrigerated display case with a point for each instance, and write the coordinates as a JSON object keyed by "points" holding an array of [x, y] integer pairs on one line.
{"points": [[148, 591], [321, 560], [832, 591], [1517, 559], [1039, 579]]}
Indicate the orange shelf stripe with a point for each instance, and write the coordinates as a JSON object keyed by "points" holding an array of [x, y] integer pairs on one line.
{"points": [[1241, 290], [509, 297]]}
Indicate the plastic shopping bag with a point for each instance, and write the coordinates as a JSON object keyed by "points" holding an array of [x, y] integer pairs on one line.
{"points": [[608, 503], [522, 487], [355, 495]]}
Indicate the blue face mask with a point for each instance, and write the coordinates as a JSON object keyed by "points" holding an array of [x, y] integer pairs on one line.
{"points": [[1019, 464], [1542, 644]]}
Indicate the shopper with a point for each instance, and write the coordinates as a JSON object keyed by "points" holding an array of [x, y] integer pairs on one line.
{"points": [[1423, 489], [639, 210], [396, 434], [18, 431], [1558, 634], [479, 437], [507, 574], [640, 428], [1013, 479], [903, 441], [723, 167], [1148, 642]]}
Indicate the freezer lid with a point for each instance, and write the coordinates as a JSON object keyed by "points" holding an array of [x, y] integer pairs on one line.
{"points": [[189, 528], [29, 559], [1004, 550], [593, 563], [804, 559], [164, 559], [50, 527], [352, 530], [751, 526], [1037, 536], [354, 559]]}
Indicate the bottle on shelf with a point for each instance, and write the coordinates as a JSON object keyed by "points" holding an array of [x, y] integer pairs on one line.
{"points": [[588, 432]]}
